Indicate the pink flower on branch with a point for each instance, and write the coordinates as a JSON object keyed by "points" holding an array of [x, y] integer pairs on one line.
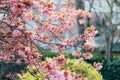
{"points": [[80, 60], [81, 21], [17, 33], [88, 45], [60, 60], [28, 16], [87, 55], [98, 65], [76, 53]]}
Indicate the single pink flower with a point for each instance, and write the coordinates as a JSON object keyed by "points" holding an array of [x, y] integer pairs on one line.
{"points": [[76, 53], [89, 44], [49, 67], [98, 65], [60, 60], [28, 16], [37, 18], [87, 55], [27, 49], [81, 21], [80, 60], [90, 15], [16, 33], [18, 61]]}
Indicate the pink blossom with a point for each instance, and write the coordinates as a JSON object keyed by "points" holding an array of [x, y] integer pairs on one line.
{"points": [[49, 67], [76, 36], [27, 49], [60, 60], [24, 43], [22, 53], [98, 65], [76, 53], [90, 15], [60, 75], [37, 18], [80, 60], [16, 33], [89, 44], [20, 27], [28, 16], [18, 61], [2, 5], [93, 33], [36, 3], [87, 55], [81, 21]]}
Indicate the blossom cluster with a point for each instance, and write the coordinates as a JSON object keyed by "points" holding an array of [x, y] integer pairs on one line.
{"points": [[20, 45]]}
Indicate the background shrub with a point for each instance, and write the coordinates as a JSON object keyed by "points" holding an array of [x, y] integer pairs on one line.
{"points": [[29, 76], [10, 68], [85, 69], [109, 71]]}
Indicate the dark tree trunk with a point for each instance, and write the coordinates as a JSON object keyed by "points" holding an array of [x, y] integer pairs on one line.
{"points": [[108, 51], [81, 28], [80, 5], [109, 41]]}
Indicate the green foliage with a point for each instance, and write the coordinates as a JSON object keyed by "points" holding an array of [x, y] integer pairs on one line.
{"points": [[12, 68], [29, 76], [109, 71], [51, 54], [32, 75], [85, 69]]}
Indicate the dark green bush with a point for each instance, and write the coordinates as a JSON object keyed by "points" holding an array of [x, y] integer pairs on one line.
{"points": [[109, 71], [10, 68], [49, 54]]}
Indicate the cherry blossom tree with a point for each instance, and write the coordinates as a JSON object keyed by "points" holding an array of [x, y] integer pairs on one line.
{"points": [[107, 21], [19, 44]]}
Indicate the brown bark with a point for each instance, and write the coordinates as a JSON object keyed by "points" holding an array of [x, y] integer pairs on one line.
{"points": [[108, 51]]}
